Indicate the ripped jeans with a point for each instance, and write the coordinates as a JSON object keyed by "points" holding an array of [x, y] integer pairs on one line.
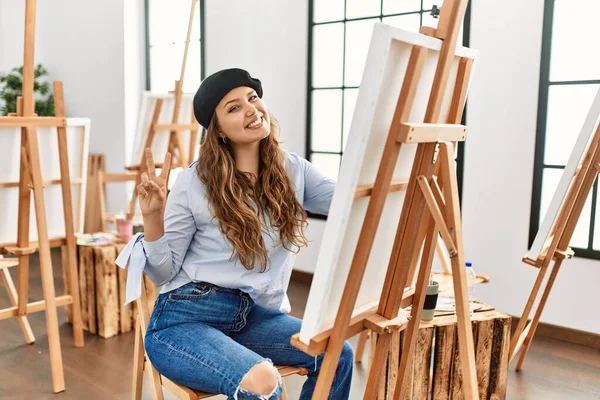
{"points": [[207, 338]]}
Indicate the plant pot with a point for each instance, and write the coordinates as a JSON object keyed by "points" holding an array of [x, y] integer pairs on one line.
{"points": [[430, 301]]}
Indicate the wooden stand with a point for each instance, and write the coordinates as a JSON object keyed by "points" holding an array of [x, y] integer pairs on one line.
{"points": [[430, 208], [31, 180], [558, 248], [181, 158], [436, 371], [102, 287]]}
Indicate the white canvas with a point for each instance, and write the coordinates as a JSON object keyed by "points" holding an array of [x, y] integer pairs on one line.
{"points": [[543, 238], [78, 131], [386, 65], [161, 139]]}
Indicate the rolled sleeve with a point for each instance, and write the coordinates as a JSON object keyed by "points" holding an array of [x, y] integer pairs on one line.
{"points": [[161, 259], [165, 255]]}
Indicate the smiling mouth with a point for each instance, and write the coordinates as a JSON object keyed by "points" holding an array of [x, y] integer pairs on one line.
{"points": [[256, 124]]}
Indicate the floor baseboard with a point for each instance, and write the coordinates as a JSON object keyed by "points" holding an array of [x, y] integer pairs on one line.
{"points": [[569, 335]]}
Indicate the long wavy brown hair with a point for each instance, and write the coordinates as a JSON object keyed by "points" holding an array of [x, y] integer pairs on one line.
{"points": [[241, 203]]}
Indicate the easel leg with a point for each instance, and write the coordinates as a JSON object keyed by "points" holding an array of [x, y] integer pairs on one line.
{"points": [[58, 380], [516, 340], [360, 349], [12, 295], [284, 393], [459, 275], [142, 166], [142, 321], [100, 190], [412, 331], [23, 223], [138, 363], [442, 257], [63, 152], [538, 313]]}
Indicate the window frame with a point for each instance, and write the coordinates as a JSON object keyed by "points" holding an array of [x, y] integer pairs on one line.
{"points": [[201, 9], [540, 140], [310, 89]]}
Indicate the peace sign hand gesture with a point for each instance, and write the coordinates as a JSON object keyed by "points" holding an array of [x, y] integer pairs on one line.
{"points": [[153, 189]]}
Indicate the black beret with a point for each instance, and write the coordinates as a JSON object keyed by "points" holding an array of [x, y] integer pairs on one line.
{"points": [[216, 86]]}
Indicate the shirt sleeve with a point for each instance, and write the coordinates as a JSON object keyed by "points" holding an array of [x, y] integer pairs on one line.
{"points": [[318, 189], [161, 259], [165, 256]]}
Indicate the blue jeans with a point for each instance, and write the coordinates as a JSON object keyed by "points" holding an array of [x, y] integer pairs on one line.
{"points": [[207, 338]]}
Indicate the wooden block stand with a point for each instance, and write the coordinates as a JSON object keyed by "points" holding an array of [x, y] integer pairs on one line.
{"points": [[102, 291], [436, 372]]}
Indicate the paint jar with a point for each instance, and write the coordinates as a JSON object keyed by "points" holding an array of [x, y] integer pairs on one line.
{"points": [[125, 229], [430, 301]]}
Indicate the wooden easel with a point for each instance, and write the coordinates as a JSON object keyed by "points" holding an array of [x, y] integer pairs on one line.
{"points": [[558, 248], [430, 208], [181, 158], [31, 180]]}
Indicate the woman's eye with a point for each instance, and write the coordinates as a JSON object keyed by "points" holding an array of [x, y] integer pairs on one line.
{"points": [[232, 109], [253, 97]]}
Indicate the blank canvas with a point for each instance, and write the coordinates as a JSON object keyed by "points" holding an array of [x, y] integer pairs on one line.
{"points": [[384, 72]]}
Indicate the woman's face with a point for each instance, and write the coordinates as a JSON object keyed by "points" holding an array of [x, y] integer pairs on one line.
{"points": [[243, 117]]}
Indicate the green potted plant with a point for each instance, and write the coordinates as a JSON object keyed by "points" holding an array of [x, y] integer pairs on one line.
{"points": [[11, 85]]}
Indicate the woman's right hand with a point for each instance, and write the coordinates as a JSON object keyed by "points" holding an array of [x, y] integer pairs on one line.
{"points": [[152, 191]]}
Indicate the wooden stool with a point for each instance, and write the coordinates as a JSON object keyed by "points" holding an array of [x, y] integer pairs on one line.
{"points": [[141, 363]]}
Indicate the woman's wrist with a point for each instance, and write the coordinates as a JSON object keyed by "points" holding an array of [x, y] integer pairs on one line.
{"points": [[153, 226]]}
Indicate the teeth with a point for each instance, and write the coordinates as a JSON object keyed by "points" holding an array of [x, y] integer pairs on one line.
{"points": [[256, 123]]}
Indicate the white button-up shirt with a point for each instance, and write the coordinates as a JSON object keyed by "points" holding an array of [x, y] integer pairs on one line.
{"points": [[194, 249]]}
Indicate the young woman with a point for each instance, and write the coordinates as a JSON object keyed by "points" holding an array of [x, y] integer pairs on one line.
{"points": [[223, 248]]}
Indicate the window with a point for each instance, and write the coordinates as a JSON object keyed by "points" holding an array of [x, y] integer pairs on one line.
{"points": [[166, 32], [569, 79], [339, 36]]}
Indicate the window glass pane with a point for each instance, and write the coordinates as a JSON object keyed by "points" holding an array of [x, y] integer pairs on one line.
{"points": [[165, 67], [328, 54], [400, 6], [575, 53], [410, 22], [551, 177], [582, 229], [168, 21], [358, 38], [326, 118], [328, 10], [164, 70], [328, 164], [362, 8], [191, 80], [428, 4], [568, 106], [350, 96], [428, 20]]}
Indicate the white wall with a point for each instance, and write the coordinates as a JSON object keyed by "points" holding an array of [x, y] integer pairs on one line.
{"points": [[501, 116], [271, 42]]}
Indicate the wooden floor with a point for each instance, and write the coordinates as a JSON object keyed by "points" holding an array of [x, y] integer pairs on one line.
{"points": [[102, 369]]}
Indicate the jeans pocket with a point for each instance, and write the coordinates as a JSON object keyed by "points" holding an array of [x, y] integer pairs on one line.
{"points": [[191, 291], [159, 306]]}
